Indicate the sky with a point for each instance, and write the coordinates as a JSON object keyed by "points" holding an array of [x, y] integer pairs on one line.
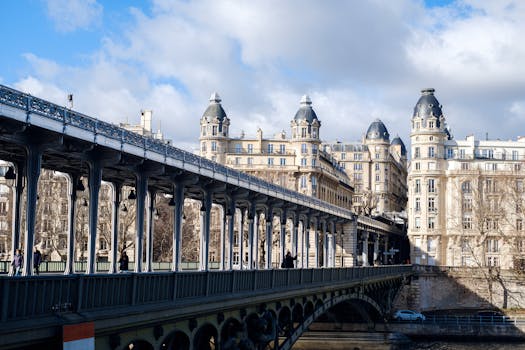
{"points": [[357, 60]]}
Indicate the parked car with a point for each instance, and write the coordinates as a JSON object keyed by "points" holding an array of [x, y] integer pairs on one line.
{"points": [[489, 313], [408, 315]]}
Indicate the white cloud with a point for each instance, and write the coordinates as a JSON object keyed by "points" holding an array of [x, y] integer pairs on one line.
{"points": [[358, 62], [70, 15]]}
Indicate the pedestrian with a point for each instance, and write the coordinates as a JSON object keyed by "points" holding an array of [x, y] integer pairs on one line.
{"points": [[37, 260], [288, 260], [123, 261], [17, 263]]}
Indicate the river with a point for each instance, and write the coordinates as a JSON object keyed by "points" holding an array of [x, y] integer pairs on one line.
{"points": [[391, 341]]}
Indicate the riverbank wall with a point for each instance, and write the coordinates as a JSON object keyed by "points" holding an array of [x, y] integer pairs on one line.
{"points": [[435, 288]]}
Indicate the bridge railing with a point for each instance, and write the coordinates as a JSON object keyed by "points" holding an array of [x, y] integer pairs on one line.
{"points": [[33, 105], [47, 295]]}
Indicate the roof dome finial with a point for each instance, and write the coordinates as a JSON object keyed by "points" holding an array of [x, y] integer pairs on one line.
{"points": [[215, 98]]}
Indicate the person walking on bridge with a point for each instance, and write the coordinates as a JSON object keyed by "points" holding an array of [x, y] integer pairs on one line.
{"points": [[17, 263], [123, 262], [37, 260], [288, 260]]}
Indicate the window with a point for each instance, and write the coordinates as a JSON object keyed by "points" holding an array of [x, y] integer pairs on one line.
{"points": [[314, 162], [417, 223], [250, 148], [490, 185], [314, 149], [282, 161], [343, 156], [431, 152], [358, 156], [303, 132], [492, 261], [214, 146], [431, 125], [358, 166], [462, 154], [467, 223], [519, 225], [418, 166], [238, 148], [303, 161], [270, 161], [514, 155], [237, 160], [377, 155], [377, 177], [282, 149], [3, 208], [431, 223], [303, 148], [417, 187], [214, 130], [250, 161], [203, 147], [303, 181], [465, 166], [102, 244], [431, 245], [418, 204], [417, 152], [492, 245], [431, 204], [270, 148], [465, 187], [450, 153], [431, 186], [314, 132], [467, 204]]}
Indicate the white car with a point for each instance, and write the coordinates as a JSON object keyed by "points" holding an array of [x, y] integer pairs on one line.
{"points": [[408, 315]]}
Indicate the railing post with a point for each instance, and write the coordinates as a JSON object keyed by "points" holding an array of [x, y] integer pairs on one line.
{"points": [[80, 292]]}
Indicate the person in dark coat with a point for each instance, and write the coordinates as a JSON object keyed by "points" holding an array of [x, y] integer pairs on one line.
{"points": [[123, 262], [288, 260], [37, 260]]}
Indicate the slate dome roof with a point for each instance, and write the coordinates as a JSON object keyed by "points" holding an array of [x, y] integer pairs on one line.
{"points": [[215, 109], [377, 131], [428, 106], [306, 111], [397, 141]]}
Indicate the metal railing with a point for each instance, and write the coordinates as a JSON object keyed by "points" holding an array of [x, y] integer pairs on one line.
{"points": [[47, 295], [80, 266], [474, 320], [33, 105]]}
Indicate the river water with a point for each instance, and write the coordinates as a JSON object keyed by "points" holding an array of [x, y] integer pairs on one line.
{"points": [[391, 341], [466, 346]]}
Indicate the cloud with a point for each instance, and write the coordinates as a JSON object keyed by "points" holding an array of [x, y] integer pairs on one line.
{"points": [[357, 63], [70, 15]]}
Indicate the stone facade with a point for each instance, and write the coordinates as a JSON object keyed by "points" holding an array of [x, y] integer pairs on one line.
{"points": [[465, 197], [297, 163]]}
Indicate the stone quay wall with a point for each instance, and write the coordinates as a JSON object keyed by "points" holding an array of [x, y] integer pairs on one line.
{"points": [[462, 288]]}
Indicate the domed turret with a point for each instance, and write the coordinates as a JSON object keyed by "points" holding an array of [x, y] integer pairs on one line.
{"points": [[398, 142], [377, 131], [306, 111], [215, 109], [428, 106]]}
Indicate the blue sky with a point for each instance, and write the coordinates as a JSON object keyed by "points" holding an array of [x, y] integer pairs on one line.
{"points": [[358, 60]]}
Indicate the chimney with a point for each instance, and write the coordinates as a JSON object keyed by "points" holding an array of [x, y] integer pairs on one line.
{"points": [[145, 119]]}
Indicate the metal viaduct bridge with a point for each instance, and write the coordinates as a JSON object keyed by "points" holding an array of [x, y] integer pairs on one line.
{"points": [[250, 308]]}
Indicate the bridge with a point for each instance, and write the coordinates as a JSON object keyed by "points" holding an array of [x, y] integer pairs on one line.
{"points": [[212, 306], [267, 309]]}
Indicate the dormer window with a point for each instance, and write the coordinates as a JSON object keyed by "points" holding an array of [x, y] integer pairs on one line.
{"points": [[303, 132], [314, 132], [431, 125]]}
